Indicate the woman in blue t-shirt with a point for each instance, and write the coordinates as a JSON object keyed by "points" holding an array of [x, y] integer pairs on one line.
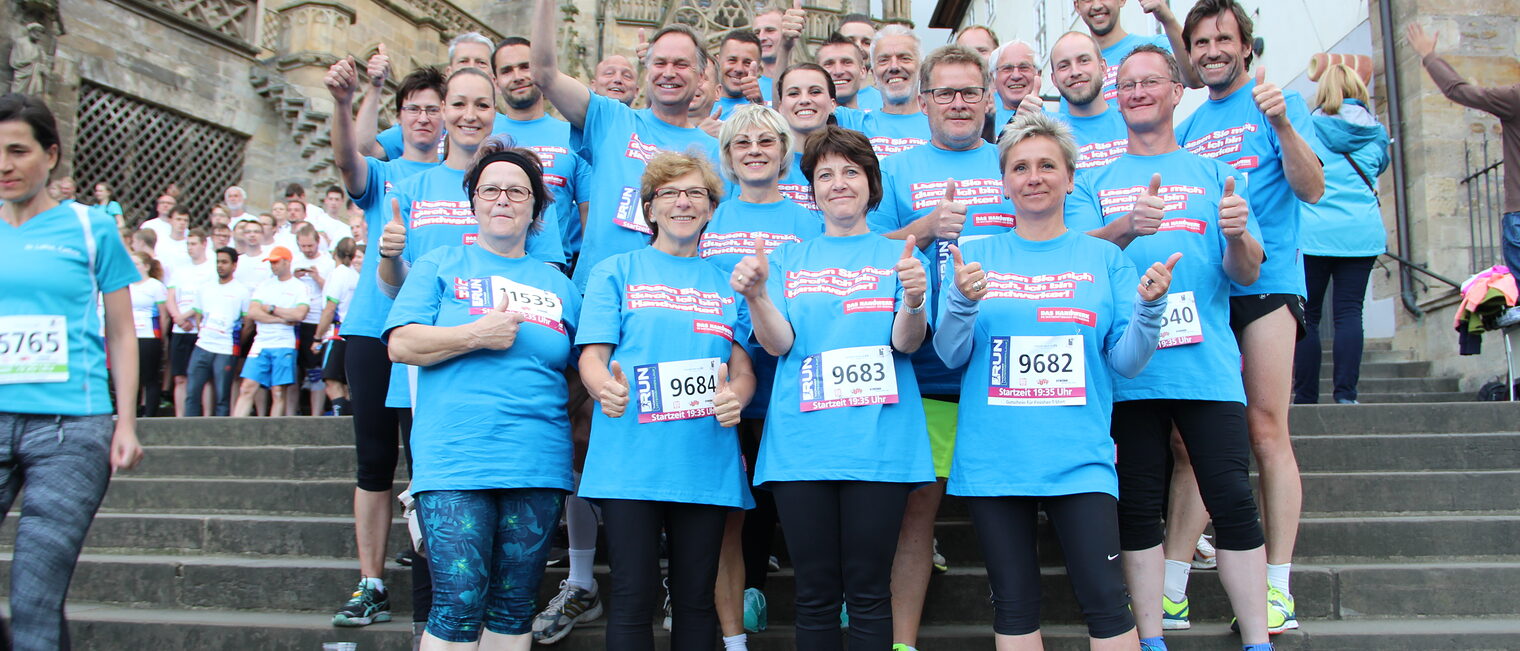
{"points": [[662, 354], [104, 201], [491, 331], [1038, 318], [58, 262], [845, 439], [805, 98]]}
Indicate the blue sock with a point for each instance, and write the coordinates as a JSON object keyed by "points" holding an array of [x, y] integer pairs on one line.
{"points": [[1264, 646], [1157, 643]]}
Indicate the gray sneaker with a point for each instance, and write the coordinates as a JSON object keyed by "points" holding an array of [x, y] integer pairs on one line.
{"points": [[573, 605]]}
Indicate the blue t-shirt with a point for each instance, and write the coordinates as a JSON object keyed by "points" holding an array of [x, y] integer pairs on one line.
{"points": [[1078, 291], [796, 186], [394, 145], [912, 184], [731, 235], [565, 174], [869, 99], [840, 295], [48, 301], [1101, 138], [618, 141], [370, 306], [491, 418], [1234, 131], [671, 321], [1183, 368], [889, 133]]}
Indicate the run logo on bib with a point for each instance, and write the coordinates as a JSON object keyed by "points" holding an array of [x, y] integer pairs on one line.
{"points": [[848, 377], [1037, 371], [630, 212], [534, 304], [676, 390]]}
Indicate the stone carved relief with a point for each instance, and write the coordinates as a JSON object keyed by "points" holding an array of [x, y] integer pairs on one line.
{"points": [[31, 62], [309, 128]]}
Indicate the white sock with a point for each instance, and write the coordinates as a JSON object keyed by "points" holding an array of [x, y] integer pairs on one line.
{"points": [[378, 584], [580, 568], [738, 642], [1175, 587], [1277, 576]]}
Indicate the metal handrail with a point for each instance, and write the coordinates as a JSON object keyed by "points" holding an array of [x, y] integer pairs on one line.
{"points": [[1412, 265]]}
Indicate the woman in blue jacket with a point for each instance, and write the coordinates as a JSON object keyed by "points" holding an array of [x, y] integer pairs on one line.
{"points": [[1343, 234]]}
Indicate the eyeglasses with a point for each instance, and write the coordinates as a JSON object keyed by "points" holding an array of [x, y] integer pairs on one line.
{"points": [[763, 142], [414, 110], [670, 194], [1147, 84], [515, 193], [972, 94], [1025, 68]]}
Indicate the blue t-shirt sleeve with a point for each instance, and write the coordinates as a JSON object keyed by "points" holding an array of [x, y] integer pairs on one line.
{"points": [[390, 141], [1123, 279], [1161, 41], [602, 309], [1082, 213], [571, 315], [113, 265], [582, 181], [886, 217], [547, 244], [419, 298], [408, 253], [374, 184]]}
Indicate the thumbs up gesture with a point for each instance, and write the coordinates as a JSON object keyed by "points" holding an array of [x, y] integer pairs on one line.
{"points": [[1158, 278], [1233, 211], [726, 405], [949, 217], [910, 274], [750, 88], [393, 238], [379, 67], [1032, 103], [497, 329], [341, 80], [1150, 208], [1269, 99], [751, 273], [641, 50], [613, 394], [969, 278], [793, 21], [712, 123]]}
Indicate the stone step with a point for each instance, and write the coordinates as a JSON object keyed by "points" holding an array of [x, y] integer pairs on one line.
{"points": [[247, 535], [246, 496], [1411, 452], [1413, 418], [1414, 397], [244, 432], [1383, 369], [265, 461], [1393, 385], [1485, 490], [1372, 355], [1465, 588]]}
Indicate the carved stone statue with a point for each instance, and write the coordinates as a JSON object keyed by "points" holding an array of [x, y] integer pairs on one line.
{"points": [[30, 62]]}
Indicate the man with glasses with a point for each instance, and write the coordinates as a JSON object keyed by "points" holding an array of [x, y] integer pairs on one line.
{"points": [[900, 125], [1016, 78], [940, 192]]}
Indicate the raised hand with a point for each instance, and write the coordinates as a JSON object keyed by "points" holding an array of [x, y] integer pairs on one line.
{"points": [[750, 89], [949, 217], [613, 394], [1158, 278], [1032, 103], [1423, 44], [910, 274], [1159, 8], [712, 123], [393, 238], [1149, 210], [641, 51], [726, 405], [496, 329], [969, 278], [1233, 212], [341, 80], [1269, 99], [379, 67], [750, 274], [793, 22]]}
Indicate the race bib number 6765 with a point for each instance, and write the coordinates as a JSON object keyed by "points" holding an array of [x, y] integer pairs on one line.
{"points": [[33, 348]]}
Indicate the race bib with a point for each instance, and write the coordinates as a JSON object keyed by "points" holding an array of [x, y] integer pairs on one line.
{"points": [[534, 304], [33, 348], [142, 322], [676, 390], [1038, 371], [630, 212], [1180, 324], [849, 377]]}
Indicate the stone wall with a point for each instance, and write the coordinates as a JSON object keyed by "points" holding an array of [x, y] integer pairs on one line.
{"points": [[1479, 38]]}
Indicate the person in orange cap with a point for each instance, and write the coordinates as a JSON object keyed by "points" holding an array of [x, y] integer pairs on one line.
{"points": [[277, 306]]}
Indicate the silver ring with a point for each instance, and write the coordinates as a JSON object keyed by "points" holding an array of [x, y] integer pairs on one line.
{"points": [[741, 277], [1149, 282], [978, 286]]}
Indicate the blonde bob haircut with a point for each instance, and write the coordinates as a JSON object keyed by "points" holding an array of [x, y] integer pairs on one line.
{"points": [[667, 166], [1338, 84], [1036, 125], [747, 117]]}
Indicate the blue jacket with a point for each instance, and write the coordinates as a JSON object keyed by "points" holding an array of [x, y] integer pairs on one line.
{"points": [[1347, 222]]}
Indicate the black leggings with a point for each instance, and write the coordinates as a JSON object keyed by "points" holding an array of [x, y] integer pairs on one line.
{"points": [[759, 531], [1087, 525], [1219, 445], [842, 536], [150, 374], [694, 533]]}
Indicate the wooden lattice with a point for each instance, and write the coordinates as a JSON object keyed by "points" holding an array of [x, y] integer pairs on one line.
{"points": [[140, 149]]}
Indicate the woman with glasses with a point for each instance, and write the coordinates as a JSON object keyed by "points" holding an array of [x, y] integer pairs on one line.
{"points": [[490, 328], [844, 435], [662, 354]]}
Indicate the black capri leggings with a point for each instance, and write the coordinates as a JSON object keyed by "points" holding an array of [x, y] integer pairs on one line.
{"points": [[694, 533], [1087, 525], [759, 530], [376, 426], [842, 536], [150, 374], [1219, 445]]}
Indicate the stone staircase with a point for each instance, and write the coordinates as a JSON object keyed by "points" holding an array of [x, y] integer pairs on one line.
{"points": [[1390, 376], [236, 534]]}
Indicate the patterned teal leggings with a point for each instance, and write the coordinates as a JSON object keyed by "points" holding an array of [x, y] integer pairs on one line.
{"points": [[486, 550]]}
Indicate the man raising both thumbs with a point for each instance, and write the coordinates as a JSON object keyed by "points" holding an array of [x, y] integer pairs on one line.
{"points": [[1193, 380], [1263, 131]]}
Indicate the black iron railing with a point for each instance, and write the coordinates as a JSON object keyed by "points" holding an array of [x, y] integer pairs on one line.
{"points": [[1484, 184]]}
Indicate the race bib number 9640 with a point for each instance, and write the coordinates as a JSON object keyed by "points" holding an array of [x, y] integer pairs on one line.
{"points": [[1180, 324]]}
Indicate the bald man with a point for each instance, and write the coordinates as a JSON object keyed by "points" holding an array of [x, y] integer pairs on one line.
{"points": [[614, 77]]}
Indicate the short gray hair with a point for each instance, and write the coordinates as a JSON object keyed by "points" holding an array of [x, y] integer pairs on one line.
{"points": [[1026, 126], [696, 42], [469, 37], [894, 29]]}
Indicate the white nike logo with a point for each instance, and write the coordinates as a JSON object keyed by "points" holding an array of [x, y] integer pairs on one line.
{"points": [[1113, 557]]}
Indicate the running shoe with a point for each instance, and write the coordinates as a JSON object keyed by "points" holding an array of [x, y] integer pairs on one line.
{"points": [[665, 623], [940, 564], [902, 647], [844, 616], [1146, 646], [1280, 615], [773, 564], [1174, 616], [573, 605], [1204, 554], [756, 615], [368, 605]]}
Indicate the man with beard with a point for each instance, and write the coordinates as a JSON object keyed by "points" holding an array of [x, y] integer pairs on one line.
{"points": [[614, 77], [1016, 77], [739, 72], [919, 200], [1102, 19], [236, 200], [900, 125], [845, 63], [1076, 67], [1265, 132], [531, 126]]}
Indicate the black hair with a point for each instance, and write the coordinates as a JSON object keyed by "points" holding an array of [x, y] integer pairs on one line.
{"points": [[424, 78], [498, 149], [231, 253], [809, 65], [852, 146], [16, 107], [742, 36]]}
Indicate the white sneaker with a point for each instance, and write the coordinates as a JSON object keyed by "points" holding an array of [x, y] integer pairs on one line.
{"points": [[1204, 555]]}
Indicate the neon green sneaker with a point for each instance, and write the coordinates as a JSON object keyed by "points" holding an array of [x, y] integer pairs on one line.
{"points": [[1280, 615], [902, 647], [1174, 616]]}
